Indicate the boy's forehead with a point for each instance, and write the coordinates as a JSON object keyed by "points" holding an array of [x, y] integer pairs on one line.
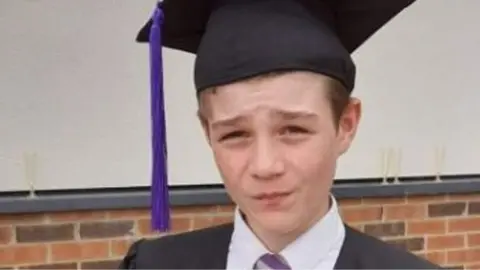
{"points": [[282, 95], [275, 85]]}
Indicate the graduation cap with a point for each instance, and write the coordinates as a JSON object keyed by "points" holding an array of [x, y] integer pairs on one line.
{"points": [[238, 39]]}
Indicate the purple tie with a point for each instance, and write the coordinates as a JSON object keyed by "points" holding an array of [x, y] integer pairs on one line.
{"points": [[271, 261]]}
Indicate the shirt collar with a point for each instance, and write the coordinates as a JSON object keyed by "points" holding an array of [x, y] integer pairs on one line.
{"points": [[305, 252], [245, 246]]}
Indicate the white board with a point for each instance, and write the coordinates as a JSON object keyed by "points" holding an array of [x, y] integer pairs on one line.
{"points": [[74, 94], [418, 79]]}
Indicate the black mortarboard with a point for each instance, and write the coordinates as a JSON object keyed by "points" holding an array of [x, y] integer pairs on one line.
{"points": [[237, 39]]}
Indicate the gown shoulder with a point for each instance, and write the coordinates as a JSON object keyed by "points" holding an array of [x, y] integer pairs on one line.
{"points": [[129, 261]]}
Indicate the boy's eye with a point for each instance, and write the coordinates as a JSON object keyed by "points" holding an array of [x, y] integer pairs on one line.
{"points": [[295, 129], [232, 135]]}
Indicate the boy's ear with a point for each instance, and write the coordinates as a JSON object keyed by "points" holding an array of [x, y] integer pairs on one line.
{"points": [[348, 124]]}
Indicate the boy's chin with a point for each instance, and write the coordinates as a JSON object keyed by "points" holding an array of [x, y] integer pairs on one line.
{"points": [[279, 223]]}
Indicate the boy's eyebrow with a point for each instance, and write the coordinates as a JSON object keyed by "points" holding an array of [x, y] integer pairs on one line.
{"points": [[292, 115], [227, 121], [284, 114]]}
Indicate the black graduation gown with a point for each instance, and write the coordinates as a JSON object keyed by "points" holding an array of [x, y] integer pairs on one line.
{"points": [[208, 249]]}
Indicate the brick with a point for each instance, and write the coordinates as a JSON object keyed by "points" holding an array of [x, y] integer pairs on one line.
{"points": [[405, 212], [191, 210], [44, 233], [426, 227], [24, 254], [475, 266], [410, 244], [59, 266], [77, 216], [474, 208], [361, 214], [383, 200], [349, 202], [218, 220], [463, 256], [358, 227], [79, 251], [455, 267], [6, 235], [473, 240], [447, 209], [179, 224], [144, 227], [464, 224], [385, 229], [445, 242], [14, 219], [100, 265], [421, 199], [209, 221], [128, 213], [437, 257], [463, 197], [120, 247], [226, 208], [106, 229], [202, 222]]}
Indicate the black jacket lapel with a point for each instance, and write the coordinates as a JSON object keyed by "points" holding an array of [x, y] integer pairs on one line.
{"points": [[347, 259]]}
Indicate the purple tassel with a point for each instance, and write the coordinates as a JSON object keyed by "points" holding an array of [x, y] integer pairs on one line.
{"points": [[159, 190]]}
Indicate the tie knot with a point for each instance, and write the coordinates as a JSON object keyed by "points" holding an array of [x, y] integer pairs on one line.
{"points": [[271, 261]]}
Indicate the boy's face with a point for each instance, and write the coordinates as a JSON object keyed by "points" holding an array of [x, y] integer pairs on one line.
{"points": [[276, 145]]}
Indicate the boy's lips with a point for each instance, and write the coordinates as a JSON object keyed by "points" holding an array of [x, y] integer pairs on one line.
{"points": [[271, 195]]}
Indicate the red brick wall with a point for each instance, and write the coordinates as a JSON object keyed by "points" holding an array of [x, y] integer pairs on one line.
{"points": [[445, 229]]}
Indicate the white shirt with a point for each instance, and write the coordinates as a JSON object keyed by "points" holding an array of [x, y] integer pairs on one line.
{"points": [[318, 248]]}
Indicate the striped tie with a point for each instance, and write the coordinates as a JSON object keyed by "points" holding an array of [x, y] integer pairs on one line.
{"points": [[271, 261]]}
